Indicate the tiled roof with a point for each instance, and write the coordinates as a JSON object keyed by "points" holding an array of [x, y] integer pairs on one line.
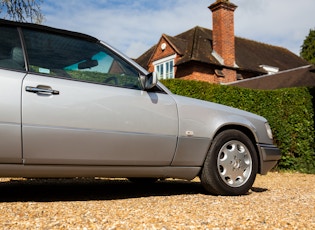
{"points": [[145, 57], [251, 54], [178, 43], [301, 76], [196, 45]]}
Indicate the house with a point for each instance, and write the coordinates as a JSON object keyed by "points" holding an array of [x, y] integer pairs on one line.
{"points": [[217, 55]]}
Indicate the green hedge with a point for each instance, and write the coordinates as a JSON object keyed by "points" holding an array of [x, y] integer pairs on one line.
{"points": [[290, 113]]}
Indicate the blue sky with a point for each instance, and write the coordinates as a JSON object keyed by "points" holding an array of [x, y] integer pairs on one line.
{"points": [[133, 26]]}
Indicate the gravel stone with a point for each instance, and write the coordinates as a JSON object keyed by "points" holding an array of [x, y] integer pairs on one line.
{"points": [[276, 201]]}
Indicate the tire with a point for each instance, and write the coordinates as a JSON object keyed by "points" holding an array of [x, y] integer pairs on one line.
{"points": [[143, 180], [231, 165]]}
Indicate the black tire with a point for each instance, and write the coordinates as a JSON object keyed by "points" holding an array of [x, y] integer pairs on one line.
{"points": [[231, 165], [143, 180]]}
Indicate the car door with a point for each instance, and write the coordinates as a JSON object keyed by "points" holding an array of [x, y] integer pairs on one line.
{"points": [[83, 106], [12, 72], [10, 116]]}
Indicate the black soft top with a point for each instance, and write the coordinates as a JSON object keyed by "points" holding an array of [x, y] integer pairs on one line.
{"points": [[4, 22]]}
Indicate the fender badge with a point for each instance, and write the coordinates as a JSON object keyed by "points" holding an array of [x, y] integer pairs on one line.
{"points": [[189, 133]]}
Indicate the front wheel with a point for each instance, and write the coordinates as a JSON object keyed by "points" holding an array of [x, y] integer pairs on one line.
{"points": [[231, 165]]}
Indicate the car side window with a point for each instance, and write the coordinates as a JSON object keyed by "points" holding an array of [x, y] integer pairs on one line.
{"points": [[79, 59], [11, 53]]}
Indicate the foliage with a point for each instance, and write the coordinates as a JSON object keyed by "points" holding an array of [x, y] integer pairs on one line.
{"points": [[21, 10], [290, 113], [107, 78], [308, 47]]}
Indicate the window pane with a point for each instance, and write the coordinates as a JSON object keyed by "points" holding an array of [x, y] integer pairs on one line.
{"points": [[165, 70], [162, 70], [158, 71], [171, 69], [75, 58], [11, 53]]}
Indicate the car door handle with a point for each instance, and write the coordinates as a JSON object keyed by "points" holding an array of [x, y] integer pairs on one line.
{"points": [[41, 89]]}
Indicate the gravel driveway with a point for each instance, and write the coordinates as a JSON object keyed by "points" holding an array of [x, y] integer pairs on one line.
{"points": [[277, 201]]}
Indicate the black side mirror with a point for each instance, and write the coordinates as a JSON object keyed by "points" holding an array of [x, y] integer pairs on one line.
{"points": [[149, 81]]}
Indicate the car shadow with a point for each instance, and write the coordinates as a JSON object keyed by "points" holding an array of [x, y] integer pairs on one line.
{"points": [[86, 189], [259, 190], [52, 190]]}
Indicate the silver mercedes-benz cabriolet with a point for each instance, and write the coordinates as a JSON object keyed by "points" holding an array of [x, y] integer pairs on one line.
{"points": [[73, 106]]}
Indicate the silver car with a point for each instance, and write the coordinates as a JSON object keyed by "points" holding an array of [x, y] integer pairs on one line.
{"points": [[72, 106]]}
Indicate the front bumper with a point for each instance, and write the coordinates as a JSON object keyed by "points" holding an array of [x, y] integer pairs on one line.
{"points": [[269, 156]]}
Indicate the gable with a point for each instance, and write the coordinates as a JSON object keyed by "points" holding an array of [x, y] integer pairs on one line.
{"points": [[164, 48]]}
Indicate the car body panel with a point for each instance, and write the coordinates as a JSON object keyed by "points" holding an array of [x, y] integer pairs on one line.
{"points": [[191, 151], [205, 118], [71, 171], [200, 121], [10, 116], [96, 124]]}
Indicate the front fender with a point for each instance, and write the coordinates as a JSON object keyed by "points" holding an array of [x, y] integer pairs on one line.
{"points": [[199, 121], [194, 144]]}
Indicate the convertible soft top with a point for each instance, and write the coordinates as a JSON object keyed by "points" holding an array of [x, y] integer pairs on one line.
{"points": [[4, 22]]}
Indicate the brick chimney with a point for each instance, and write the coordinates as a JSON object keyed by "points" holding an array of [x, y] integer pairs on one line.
{"points": [[223, 36]]}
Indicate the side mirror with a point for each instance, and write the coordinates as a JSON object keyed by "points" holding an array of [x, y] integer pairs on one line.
{"points": [[149, 81]]}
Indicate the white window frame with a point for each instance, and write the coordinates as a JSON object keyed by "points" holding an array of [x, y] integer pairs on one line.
{"points": [[163, 63]]}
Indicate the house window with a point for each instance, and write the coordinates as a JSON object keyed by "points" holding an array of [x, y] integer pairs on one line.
{"points": [[165, 67]]}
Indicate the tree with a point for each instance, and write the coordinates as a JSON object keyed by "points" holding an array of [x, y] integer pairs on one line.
{"points": [[22, 10], [308, 47]]}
